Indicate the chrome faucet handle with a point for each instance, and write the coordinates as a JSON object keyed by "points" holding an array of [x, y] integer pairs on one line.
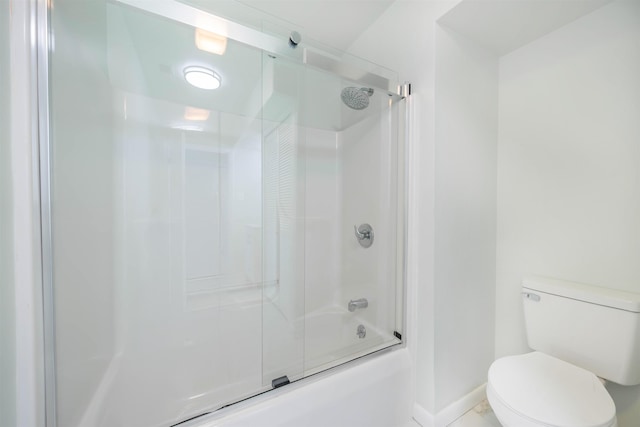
{"points": [[364, 234], [360, 235]]}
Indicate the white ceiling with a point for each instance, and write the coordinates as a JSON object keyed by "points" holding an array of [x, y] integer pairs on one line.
{"points": [[503, 26]]}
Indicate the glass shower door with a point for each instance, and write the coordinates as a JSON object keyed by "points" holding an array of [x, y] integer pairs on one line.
{"points": [[353, 178], [202, 238], [156, 216]]}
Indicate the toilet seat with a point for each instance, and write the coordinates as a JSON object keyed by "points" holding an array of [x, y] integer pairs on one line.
{"points": [[540, 390]]}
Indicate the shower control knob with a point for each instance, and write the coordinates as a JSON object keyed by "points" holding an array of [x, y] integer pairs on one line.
{"points": [[364, 234]]}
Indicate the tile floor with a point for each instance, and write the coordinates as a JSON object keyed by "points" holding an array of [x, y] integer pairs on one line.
{"points": [[480, 416]]}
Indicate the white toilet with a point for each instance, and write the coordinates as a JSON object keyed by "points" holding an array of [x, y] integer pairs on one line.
{"points": [[580, 333]]}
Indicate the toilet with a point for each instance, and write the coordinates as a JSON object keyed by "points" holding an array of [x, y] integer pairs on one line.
{"points": [[582, 336]]}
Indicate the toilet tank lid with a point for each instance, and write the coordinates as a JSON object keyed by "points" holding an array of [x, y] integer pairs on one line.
{"points": [[580, 291]]}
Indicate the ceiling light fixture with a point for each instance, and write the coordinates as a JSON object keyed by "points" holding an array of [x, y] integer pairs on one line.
{"points": [[210, 42], [202, 78]]}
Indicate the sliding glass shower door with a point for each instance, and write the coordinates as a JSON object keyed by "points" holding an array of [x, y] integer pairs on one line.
{"points": [[203, 193]]}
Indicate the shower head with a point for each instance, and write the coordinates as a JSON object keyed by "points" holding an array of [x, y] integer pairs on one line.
{"points": [[356, 97]]}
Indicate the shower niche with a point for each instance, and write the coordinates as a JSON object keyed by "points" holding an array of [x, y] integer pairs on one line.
{"points": [[203, 240]]}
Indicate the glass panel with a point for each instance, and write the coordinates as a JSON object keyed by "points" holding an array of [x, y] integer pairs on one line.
{"points": [[157, 212], [203, 239], [352, 158]]}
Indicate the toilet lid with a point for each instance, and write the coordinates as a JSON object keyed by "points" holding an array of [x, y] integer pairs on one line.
{"points": [[551, 391]]}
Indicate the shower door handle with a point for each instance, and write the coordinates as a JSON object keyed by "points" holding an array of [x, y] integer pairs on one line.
{"points": [[364, 234]]}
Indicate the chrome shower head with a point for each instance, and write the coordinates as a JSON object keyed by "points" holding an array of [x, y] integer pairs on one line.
{"points": [[356, 97]]}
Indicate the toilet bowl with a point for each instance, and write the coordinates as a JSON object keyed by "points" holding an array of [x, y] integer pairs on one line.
{"points": [[538, 390], [578, 333]]}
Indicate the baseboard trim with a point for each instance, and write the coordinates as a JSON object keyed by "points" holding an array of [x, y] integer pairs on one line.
{"points": [[422, 416], [460, 406], [452, 412]]}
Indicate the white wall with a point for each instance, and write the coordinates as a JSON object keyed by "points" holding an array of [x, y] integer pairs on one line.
{"points": [[568, 180], [461, 159], [411, 57], [452, 196], [465, 214], [452, 219]]}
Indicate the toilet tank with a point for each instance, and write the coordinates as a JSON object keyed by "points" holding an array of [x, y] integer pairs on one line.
{"points": [[595, 328]]}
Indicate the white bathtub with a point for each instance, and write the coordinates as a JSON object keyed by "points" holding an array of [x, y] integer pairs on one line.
{"points": [[331, 338], [374, 391]]}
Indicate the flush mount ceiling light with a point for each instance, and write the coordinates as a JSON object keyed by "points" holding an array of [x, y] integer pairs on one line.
{"points": [[202, 78]]}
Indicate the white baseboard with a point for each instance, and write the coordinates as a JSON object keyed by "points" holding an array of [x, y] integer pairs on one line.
{"points": [[452, 412], [422, 416], [456, 409]]}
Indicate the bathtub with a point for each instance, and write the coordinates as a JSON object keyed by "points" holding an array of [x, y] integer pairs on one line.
{"points": [[331, 338], [373, 391]]}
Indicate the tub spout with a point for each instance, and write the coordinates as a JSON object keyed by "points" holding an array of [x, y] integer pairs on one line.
{"points": [[358, 303]]}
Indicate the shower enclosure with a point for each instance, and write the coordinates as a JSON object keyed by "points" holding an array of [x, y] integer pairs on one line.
{"points": [[223, 209]]}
